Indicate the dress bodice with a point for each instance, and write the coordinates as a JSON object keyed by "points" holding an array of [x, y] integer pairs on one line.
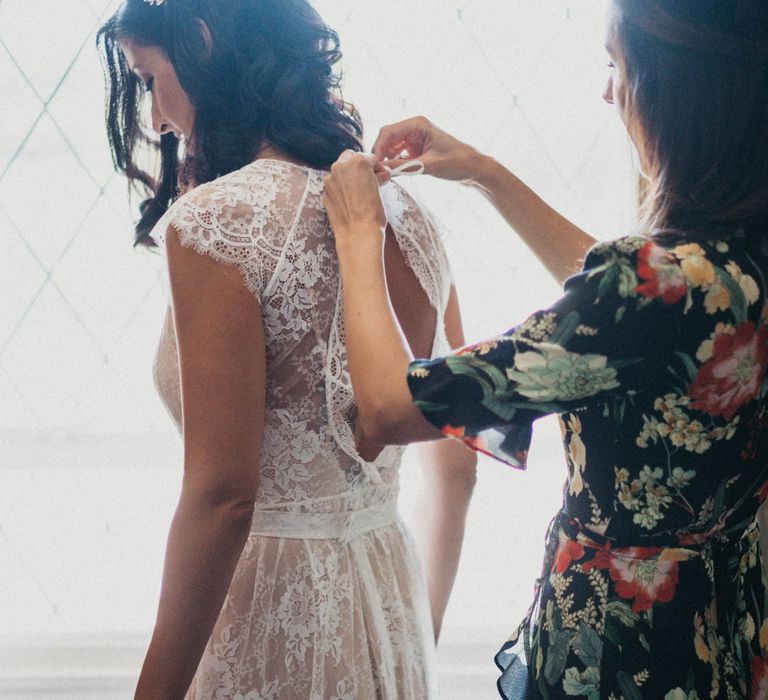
{"points": [[268, 220]]}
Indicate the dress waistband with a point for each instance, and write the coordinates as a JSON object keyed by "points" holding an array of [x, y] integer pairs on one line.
{"points": [[344, 526], [727, 536], [723, 548]]}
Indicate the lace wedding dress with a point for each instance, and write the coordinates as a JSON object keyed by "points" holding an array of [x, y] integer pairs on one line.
{"points": [[327, 601]]}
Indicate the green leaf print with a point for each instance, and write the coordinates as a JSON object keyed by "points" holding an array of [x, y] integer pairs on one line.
{"points": [[622, 612], [628, 686], [431, 406], [490, 379], [566, 328], [680, 694], [738, 301], [717, 508], [690, 365], [557, 655], [608, 282], [588, 646], [611, 632], [503, 409], [627, 287], [586, 684], [488, 375], [535, 406]]}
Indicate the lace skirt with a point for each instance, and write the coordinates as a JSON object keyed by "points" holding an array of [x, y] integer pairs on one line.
{"points": [[322, 607]]}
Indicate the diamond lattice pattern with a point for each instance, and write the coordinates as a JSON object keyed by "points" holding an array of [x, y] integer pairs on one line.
{"points": [[88, 465]]}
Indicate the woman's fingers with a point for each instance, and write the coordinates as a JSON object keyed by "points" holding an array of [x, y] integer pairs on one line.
{"points": [[351, 197], [411, 135], [443, 155], [383, 172]]}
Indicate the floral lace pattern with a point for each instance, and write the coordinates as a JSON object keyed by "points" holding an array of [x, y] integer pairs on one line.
{"points": [[310, 617]]}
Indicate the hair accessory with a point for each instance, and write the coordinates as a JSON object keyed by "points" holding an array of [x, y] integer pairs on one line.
{"points": [[412, 167], [156, 3]]}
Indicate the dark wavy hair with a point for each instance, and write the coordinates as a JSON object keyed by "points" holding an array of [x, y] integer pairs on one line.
{"points": [[264, 77], [696, 106]]}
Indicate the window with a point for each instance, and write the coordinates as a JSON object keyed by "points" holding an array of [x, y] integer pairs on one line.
{"points": [[89, 463]]}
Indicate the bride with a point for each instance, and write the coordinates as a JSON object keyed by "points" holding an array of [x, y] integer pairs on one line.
{"points": [[288, 571]]}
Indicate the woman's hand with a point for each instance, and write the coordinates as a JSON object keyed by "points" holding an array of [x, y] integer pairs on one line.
{"points": [[443, 155], [352, 198]]}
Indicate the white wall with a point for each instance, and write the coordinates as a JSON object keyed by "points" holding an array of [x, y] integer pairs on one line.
{"points": [[89, 466]]}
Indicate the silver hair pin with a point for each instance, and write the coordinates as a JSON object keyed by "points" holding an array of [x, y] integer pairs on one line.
{"points": [[156, 3]]}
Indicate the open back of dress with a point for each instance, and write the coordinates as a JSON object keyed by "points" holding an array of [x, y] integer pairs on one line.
{"points": [[327, 600]]}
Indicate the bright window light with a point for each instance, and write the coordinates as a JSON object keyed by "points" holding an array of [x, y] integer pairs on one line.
{"points": [[89, 463]]}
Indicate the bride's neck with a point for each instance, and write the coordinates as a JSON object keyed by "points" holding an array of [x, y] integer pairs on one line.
{"points": [[272, 153]]}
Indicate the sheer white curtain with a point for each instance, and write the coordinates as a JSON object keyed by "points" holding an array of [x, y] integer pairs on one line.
{"points": [[89, 466]]}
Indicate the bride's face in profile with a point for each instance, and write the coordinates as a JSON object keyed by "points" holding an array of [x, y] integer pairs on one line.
{"points": [[172, 112]]}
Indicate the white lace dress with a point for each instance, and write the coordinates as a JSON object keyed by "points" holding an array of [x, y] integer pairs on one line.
{"points": [[327, 601]]}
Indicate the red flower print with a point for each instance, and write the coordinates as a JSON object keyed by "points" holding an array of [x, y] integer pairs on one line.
{"points": [[450, 431], [733, 375], [662, 274], [644, 575], [472, 441], [476, 443], [759, 678], [568, 551]]}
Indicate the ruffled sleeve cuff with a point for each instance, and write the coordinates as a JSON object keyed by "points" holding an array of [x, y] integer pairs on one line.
{"points": [[448, 393]]}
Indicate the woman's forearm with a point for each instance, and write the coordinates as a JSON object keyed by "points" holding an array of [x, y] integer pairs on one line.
{"points": [[448, 471], [559, 244], [204, 544], [377, 350]]}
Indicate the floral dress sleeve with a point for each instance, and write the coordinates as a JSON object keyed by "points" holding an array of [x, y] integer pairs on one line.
{"points": [[598, 345]]}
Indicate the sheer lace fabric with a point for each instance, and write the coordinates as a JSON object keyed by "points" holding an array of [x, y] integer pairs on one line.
{"points": [[327, 601]]}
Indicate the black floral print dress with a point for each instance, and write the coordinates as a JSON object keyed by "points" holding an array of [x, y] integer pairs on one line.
{"points": [[655, 361]]}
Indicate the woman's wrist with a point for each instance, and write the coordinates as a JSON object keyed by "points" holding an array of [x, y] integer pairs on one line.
{"points": [[364, 238], [487, 172]]}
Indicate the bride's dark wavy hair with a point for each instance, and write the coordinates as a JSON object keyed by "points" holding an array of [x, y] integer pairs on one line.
{"points": [[263, 77]]}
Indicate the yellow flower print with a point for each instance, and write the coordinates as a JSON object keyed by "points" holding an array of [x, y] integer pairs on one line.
{"points": [[702, 651], [577, 456], [485, 347], [750, 289], [420, 372], [747, 283], [717, 299], [707, 348], [697, 269], [764, 635], [748, 628]]}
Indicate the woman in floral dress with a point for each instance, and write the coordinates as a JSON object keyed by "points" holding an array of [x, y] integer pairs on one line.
{"points": [[654, 359]]}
